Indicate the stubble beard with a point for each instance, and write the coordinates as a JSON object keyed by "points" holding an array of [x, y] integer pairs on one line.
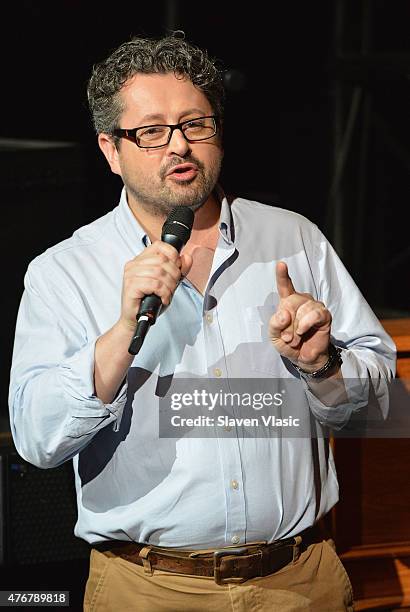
{"points": [[159, 201]]}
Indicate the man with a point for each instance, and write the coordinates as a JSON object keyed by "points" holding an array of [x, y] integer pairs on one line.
{"points": [[257, 297]]}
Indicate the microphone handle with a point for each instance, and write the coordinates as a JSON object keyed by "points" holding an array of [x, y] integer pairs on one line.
{"points": [[141, 330], [151, 305]]}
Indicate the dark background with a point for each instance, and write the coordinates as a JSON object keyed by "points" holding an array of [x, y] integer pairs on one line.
{"points": [[317, 120]]}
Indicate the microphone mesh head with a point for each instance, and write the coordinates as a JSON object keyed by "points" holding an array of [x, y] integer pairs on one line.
{"points": [[179, 223]]}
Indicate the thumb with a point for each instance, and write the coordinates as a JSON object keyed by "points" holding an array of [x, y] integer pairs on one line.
{"points": [[186, 263]]}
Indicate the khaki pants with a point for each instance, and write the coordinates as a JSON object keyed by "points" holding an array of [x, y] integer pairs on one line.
{"points": [[317, 581]]}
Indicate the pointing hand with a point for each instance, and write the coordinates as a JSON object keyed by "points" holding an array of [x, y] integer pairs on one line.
{"points": [[300, 328]]}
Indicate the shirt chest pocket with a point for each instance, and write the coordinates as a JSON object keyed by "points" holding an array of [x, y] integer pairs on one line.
{"points": [[263, 356]]}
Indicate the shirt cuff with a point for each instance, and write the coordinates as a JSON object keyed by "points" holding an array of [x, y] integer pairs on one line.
{"points": [[356, 383], [77, 379]]}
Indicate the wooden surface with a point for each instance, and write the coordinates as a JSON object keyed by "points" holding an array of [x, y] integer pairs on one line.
{"points": [[399, 330], [371, 523]]}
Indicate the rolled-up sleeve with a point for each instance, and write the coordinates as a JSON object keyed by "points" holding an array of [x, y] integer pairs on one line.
{"points": [[54, 411], [368, 352]]}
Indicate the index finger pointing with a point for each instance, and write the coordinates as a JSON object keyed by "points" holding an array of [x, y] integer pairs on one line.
{"points": [[283, 280]]}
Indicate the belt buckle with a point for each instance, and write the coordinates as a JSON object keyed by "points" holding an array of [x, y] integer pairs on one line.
{"points": [[218, 554]]}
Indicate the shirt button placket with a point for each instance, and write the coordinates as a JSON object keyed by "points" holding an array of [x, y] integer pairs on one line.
{"points": [[236, 516]]}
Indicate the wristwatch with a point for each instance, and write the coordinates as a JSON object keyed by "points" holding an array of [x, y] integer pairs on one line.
{"points": [[334, 359]]}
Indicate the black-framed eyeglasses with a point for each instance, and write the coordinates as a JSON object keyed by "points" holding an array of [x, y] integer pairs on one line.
{"points": [[155, 136]]}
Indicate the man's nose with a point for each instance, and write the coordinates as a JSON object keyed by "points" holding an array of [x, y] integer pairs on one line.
{"points": [[178, 144]]}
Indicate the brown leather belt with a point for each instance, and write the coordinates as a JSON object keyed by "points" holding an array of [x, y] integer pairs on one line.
{"points": [[231, 564]]}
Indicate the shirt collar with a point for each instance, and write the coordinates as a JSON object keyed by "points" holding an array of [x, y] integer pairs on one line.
{"points": [[226, 225], [137, 235], [129, 223]]}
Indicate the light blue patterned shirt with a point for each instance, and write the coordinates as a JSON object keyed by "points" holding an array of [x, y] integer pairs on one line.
{"points": [[187, 491]]}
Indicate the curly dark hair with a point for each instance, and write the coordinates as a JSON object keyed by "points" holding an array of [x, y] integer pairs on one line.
{"points": [[150, 55]]}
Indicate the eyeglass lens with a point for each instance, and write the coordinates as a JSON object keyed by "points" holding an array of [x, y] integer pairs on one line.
{"points": [[157, 135]]}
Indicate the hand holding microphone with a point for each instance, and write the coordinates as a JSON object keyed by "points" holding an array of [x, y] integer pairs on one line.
{"points": [[151, 278]]}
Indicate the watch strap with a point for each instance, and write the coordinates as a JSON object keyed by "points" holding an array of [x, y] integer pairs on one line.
{"points": [[334, 359]]}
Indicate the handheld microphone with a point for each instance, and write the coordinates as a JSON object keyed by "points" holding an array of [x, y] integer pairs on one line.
{"points": [[175, 231]]}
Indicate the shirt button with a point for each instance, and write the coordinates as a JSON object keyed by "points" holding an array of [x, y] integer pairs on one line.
{"points": [[218, 372], [234, 484], [235, 539], [209, 318]]}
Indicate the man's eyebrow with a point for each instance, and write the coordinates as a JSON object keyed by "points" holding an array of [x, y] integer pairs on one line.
{"points": [[157, 117]]}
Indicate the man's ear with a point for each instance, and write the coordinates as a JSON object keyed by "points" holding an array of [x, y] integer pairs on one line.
{"points": [[109, 149]]}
